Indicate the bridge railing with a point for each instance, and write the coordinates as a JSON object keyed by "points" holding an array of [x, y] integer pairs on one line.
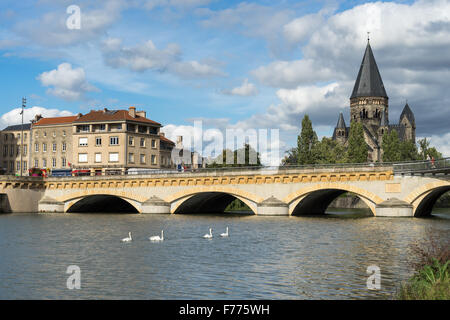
{"points": [[429, 166]]}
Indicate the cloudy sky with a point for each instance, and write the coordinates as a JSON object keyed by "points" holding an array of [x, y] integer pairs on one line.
{"points": [[256, 64]]}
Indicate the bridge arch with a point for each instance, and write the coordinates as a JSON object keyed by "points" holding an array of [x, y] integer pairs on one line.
{"points": [[315, 199], [210, 200], [105, 201], [424, 198]]}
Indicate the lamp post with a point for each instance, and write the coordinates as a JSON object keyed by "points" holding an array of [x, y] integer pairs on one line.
{"points": [[24, 102]]}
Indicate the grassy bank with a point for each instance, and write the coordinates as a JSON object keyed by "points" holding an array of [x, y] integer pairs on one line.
{"points": [[432, 282], [430, 260]]}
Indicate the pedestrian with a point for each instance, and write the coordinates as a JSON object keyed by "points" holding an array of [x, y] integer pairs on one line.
{"points": [[432, 162]]}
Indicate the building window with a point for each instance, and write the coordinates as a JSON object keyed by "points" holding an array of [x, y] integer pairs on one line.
{"points": [[36, 163], [11, 151], [83, 142], [83, 128], [5, 150], [45, 134], [102, 127], [54, 147], [36, 147], [25, 166], [53, 162], [142, 158], [44, 163], [25, 135], [25, 149], [64, 133], [63, 162], [82, 158], [64, 147], [142, 142], [114, 141], [54, 133], [17, 166], [98, 141], [6, 137], [130, 141], [98, 157], [11, 165], [153, 144], [131, 157], [44, 147], [153, 159], [113, 157]]}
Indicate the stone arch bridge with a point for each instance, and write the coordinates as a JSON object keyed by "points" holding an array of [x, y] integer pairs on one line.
{"points": [[267, 191]]}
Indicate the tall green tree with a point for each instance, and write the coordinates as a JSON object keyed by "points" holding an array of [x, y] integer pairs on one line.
{"points": [[306, 142], [425, 150], [357, 146], [408, 151], [290, 158], [391, 146], [329, 151]]}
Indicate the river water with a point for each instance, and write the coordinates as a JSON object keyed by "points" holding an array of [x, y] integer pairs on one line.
{"points": [[263, 258]]}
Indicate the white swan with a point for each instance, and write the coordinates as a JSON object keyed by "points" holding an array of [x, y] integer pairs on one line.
{"points": [[128, 239], [208, 236], [157, 238], [224, 234]]}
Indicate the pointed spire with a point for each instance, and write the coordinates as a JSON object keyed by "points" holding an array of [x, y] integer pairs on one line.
{"points": [[341, 123], [407, 112], [368, 83]]}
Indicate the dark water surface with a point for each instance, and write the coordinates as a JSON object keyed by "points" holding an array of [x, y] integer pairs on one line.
{"points": [[264, 257]]}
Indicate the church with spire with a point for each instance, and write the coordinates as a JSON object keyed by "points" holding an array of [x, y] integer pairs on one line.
{"points": [[369, 105]]}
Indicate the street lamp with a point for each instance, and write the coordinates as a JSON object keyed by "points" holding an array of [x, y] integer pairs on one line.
{"points": [[24, 104]]}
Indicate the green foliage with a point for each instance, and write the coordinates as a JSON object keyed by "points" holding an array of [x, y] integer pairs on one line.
{"points": [[408, 151], [249, 153], [391, 147], [237, 205], [290, 158], [328, 151], [357, 147], [432, 282], [426, 151], [306, 143]]}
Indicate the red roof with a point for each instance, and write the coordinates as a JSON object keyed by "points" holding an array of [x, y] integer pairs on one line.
{"points": [[56, 120], [162, 138], [113, 115]]}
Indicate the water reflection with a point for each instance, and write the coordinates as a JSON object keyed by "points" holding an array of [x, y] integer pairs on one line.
{"points": [[264, 257]]}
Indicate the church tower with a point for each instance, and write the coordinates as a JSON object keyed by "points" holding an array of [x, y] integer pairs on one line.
{"points": [[369, 100]]}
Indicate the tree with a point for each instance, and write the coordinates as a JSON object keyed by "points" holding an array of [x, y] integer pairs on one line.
{"points": [[357, 147], [306, 142], [329, 151], [391, 147], [408, 151], [290, 158], [426, 150]]}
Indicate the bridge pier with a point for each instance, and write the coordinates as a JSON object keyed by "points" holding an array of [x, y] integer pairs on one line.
{"points": [[155, 205], [394, 207], [272, 207], [47, 205]]}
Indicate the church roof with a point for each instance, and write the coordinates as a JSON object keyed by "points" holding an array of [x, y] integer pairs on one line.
{"points": [[408, 114], [368, 83], [341, 122]]}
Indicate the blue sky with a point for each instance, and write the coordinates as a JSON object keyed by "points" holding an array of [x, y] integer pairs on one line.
{"points": [[254, 64]]}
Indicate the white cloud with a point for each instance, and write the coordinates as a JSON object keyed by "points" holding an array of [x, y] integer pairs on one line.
{"points": [[245, 90], [147, 56], [66, 83], [13, 117]]}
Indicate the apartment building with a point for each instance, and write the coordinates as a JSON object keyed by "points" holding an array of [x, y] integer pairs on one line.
{"points": [[13, 156], [52, 142], [112, 141]]}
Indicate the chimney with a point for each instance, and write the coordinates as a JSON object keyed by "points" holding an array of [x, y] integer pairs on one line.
{"points": [[141, 114], [79, 116], [162, 134], [132, 111], [105, 110], [37, 117]]}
